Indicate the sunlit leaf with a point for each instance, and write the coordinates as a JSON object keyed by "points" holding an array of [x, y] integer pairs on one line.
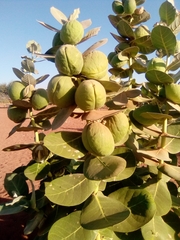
{"points": [[175, 25], [86, 23], [142, 207], [48, 26], [140, 18], [95, 46], [17, 205], [108, 211], [65, 144], [125, 30], [28, 79], [18, 147], [70, 190], [58, 15], [114, 20], [91, 33], [167, 12], [159, 153], [144, 44], [99, 168], [94, 115], [158, 77], [107, 234], [37, 171], [15, 184], [163, 39], [172, 144], [74, 15], [170, 170], [59, 229]]}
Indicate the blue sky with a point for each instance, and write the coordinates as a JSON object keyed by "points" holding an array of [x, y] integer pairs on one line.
{"points": [[18, 25]]}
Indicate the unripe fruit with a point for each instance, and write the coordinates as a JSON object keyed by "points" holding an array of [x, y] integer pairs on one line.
{"points": [[172, 92], [146, 108], [141, 31], [56, 40], [61, 91], [72, 32], [156, 64], [15, 90], [16, 114], [39, 99], [117, 7], [69, 60], [97, 139], [129, 6], [90, 95], [118, 124], [95, 65]]}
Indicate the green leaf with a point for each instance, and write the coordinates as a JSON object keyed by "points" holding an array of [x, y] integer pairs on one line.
{"points": [[69, 228], [136, 235], [18, 204], [161, 196], [175, 64], [28, 79], [28, 65], [18, 73], [144, 44], [127, 53], [158, 77], [167, 12], [100, 211], [140, 18], [163, 39], [157, 229], [37, 171], [175, 25], [125, 30], [107, 234], [70, 190], [15, 184], [172, 144], [170, 170], [141, 204], [32, 47], [65, 144], [33, 223], [99, 168]]}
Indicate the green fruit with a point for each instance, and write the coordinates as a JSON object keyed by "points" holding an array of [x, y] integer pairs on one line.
{"points": [[90, 95], [61, 91], [141, 31], [56, 40], [156, 64], [15, 90], [117, 7], [144, 109], [118, 124], [39, 99], [172, 92], [129, 6], [95, 65], [16, 114], [69, 60], [72, 32], [97, 139]]}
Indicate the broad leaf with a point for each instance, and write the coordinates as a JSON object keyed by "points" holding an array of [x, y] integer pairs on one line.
{"points": [[175, 25], [18, 204], [28, 65], [69, 228], [15, 184], [58, 15], [172, 144], [163, 39], [175, 64], [160, 153], [167, 12], [140, 18], [158, 77], [170, 170], [100, 211], [125, 30], [95, 115], [136, 235], [99, 168], [28, 79], [65, 144], [107, 234], [70, 190], [18, 73], [37, 171], [142, 207], [157, 229], [161, 196], [144, 44]]}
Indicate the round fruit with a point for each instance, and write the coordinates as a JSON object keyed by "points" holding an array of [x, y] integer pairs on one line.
{"points": [[72, 32], [141, 31], [172, 92], [69, 60], [118, 124], [97, 139], [56, 40], [39, 99], [117, 7], [90, 95], [156, 64], [16, 114], [61, 91], [129, 6], [95, 65], [15, 90], [144, 109]]}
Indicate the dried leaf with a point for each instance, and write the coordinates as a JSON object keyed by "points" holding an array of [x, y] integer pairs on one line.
{"points": [[58, 15], [86, 23], [74, 15], [117, 38], [48, 26], [157, 154], [93, 32], [96, 45], [98, 114], [14, 129]]}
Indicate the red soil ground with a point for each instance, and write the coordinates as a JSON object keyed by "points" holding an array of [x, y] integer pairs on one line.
{"points": [[11, 227]]}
